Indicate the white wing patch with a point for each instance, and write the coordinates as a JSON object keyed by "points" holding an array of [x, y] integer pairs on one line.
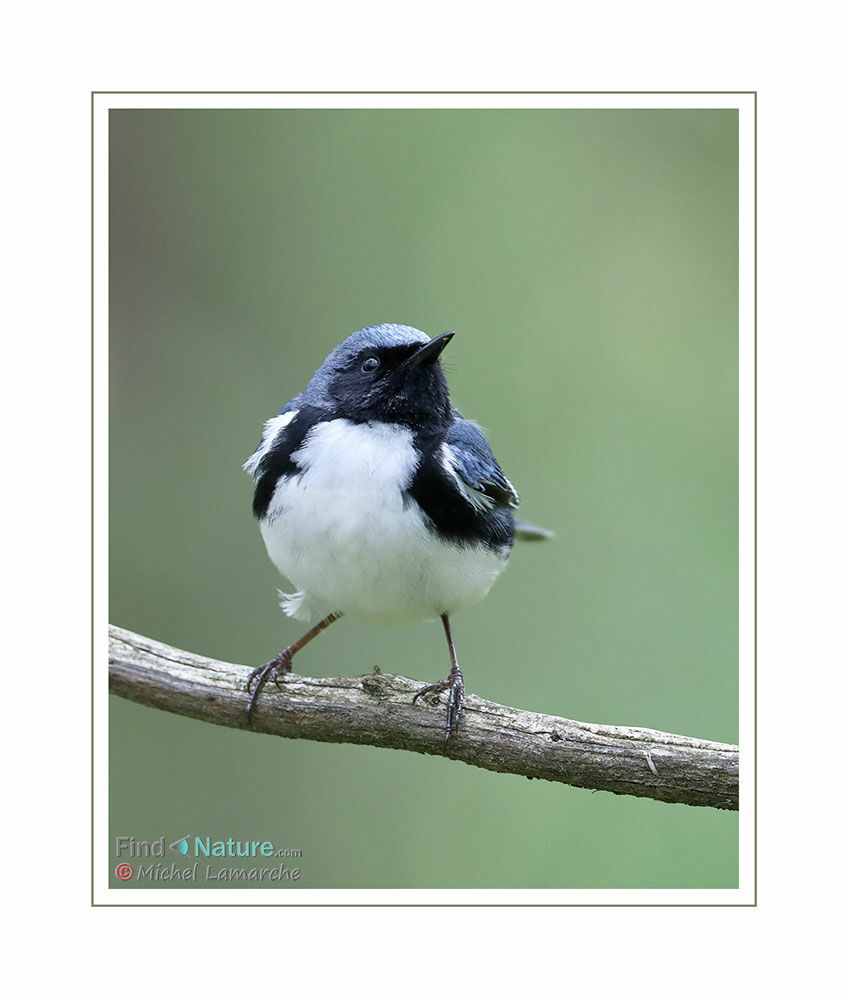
{"points": [[269, 435], [479, 500]]}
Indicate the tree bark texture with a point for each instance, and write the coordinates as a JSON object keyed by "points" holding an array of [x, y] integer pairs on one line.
{"points": [[377, 710]]}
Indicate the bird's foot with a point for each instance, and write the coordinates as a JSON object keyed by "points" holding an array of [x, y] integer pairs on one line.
{"points": [[454, 686], [259, 677]]}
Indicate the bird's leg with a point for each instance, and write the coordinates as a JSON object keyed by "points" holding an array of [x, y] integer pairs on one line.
{"points": [[454, 686], [282, 663]]}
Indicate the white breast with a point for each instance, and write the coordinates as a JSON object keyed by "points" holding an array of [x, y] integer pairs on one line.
{"points": [[342, 532]]}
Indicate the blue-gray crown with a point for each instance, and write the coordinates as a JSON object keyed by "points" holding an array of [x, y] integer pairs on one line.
{"points": [[382, 335]]}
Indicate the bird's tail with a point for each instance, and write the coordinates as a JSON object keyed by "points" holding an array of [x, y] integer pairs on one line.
{"points": [[531, 532]]}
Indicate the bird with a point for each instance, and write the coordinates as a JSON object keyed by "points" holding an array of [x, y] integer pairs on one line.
{"points": [[378, 500]]}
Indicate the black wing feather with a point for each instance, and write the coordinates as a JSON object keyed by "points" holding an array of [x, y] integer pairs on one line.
{"points": [[476, 465]]}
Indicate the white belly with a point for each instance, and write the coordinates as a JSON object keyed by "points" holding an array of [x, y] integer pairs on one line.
{"points": [[340, 531]]}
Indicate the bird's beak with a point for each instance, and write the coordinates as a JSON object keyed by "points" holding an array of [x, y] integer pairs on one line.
{"points": [[429, 353]]}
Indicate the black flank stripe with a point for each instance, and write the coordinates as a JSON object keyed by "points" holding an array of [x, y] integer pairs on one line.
{"points": [[451, 515], [278, 461]]}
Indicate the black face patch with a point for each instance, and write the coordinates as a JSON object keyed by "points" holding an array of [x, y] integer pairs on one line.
{"points": [[393, 390]]}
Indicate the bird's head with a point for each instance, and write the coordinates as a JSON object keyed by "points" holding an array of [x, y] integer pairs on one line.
{"points": [[385, 372]]}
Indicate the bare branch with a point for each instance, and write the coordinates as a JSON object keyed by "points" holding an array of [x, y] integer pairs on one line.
{"points": [[377, 710]]}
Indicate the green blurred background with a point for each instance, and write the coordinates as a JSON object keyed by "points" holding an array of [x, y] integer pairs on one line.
{"points": [[588, 262]]}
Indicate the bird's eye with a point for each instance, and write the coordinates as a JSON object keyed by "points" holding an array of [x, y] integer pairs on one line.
{"points": [[371, 364]]}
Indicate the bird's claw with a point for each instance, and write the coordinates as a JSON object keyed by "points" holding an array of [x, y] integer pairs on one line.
{"points": [[256, 675], [259, 677], [454, 686]]}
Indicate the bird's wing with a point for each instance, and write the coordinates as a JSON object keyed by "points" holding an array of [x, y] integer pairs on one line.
{"points": [[271, 430], [472, 459], [292, 404]]}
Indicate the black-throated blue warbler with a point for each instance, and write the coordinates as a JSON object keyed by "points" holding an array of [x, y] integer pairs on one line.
{"points": [[377, 499]]}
